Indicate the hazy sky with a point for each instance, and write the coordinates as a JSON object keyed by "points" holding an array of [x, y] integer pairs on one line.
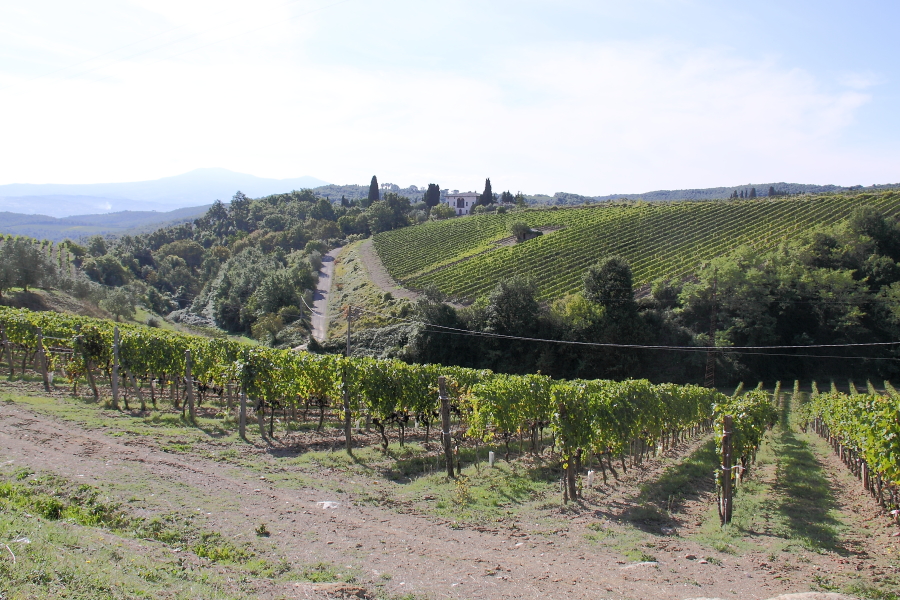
{"points": [[589, 97]]}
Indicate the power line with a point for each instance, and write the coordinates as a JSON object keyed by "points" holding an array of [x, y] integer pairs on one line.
{"points": [[724, 349], [697, 349]]}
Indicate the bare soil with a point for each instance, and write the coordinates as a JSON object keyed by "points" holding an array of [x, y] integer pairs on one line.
{"points": [[379, 275], [403, 549]]}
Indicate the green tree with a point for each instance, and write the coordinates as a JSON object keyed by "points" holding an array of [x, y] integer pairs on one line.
{"points": [[190, 251], [239, 211], [120, 302], [97, 245], [609, 283], [266, 328], [106, 270], [512, 307], [519, 229], [487, 196], [8, 270], [883, 231], [241, 275], [283, 287], [432, 195], [374, 195], [33, 267], [507, 196], [380, 217], [323, 210], [77, 251], [442, 211], [174, 274], [158, 303]]}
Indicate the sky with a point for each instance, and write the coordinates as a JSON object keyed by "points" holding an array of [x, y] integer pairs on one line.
{"points": [[589, 97]]}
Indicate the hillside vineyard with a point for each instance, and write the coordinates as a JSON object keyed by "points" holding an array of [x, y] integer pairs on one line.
{"points": [[463, 259]]}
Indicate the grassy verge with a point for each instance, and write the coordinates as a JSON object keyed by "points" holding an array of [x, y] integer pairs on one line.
{"points": [[352, 285], [63, 540], [785, 505], [411, 477]]}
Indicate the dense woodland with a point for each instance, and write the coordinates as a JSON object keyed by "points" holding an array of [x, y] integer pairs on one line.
{"points": [[245, 267]]}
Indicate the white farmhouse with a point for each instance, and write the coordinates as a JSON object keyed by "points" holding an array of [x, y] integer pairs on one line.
{"points": [[462, 203]]}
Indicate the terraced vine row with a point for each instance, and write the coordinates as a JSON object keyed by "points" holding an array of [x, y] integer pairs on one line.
{"points": [[460, 256]]}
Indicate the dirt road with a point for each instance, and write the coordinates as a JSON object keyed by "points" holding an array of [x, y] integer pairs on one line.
{"points": [[379, 275], [406, 553], [320, 297]]}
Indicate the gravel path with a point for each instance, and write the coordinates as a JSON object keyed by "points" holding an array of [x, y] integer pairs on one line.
{"points": [[379, 275], [320, 297]]}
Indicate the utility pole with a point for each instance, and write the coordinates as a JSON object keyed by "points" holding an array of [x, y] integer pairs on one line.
{"points": [[347, 428], [114, 380], [710, 379], [445, 425], [726, 504]]}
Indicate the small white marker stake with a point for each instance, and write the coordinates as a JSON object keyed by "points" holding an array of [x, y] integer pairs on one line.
{"points": [[491, 458], [590, 479]]}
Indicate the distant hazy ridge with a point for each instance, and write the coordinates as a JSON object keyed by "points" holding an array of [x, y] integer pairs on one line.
{"points": [[58, 211], [197, 188]]}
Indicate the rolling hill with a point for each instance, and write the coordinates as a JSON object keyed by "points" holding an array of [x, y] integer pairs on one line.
{"points": [[119, 223], [466, 257], [195, 188]]}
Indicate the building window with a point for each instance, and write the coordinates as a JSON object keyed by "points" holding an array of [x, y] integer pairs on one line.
{"points": [[460, 203]]}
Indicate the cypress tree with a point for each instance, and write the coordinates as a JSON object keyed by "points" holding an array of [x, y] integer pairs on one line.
{"points": [[753, 192], [771, 191], [373, 192], [487, 197], [432, 195], [344, 201]]}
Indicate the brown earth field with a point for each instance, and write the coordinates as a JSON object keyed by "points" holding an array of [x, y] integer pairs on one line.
{"points": [[193, 511]]}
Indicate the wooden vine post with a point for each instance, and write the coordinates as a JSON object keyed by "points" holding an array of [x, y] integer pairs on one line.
{"points": [[445, 424], [114, 382], [189, 383], [42, 359], [347, 425], [89, 375], [242, 422], [8, 353], [260, 408], [137, 390], [727, 462]]}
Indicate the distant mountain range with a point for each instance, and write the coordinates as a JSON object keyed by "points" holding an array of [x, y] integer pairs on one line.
{"points": [[192, 189], [130, 222]]}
